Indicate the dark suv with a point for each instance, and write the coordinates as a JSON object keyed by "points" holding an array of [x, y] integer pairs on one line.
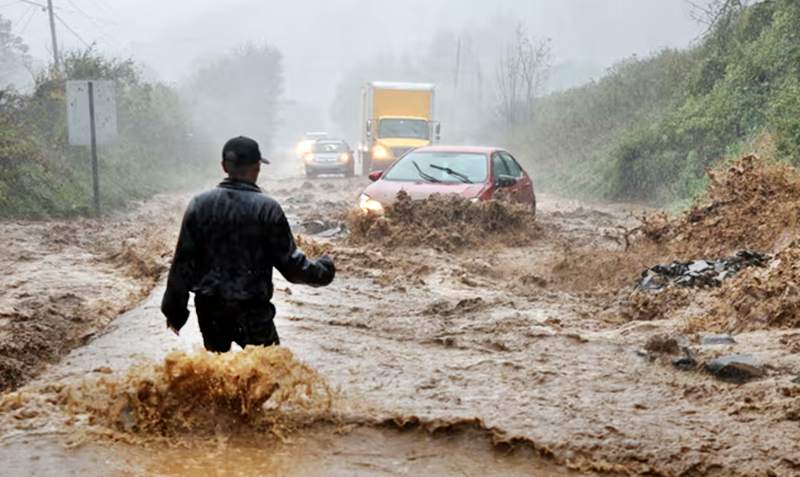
{"points": [[329, 156]]}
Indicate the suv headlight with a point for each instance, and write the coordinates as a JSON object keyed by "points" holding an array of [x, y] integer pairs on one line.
{"points": [[369, 205]]}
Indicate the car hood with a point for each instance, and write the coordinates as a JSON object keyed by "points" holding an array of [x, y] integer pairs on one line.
{"points": [[386, 191]]}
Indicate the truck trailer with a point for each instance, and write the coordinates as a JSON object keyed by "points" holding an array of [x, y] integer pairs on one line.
{"points": [[396, 118]]}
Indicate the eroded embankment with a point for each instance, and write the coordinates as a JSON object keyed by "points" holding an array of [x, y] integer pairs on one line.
{"points": [[63, 281], [753, 205]]}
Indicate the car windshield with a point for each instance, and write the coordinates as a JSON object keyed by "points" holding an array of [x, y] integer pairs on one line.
{"points": [[330, 147], [447, 167], [404, 128]]}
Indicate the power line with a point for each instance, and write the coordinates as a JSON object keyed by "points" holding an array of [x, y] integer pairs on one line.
{"points": [[101, 6], [21, 17], [88, 17], [93, 21], [25, 27], [72, 31]]}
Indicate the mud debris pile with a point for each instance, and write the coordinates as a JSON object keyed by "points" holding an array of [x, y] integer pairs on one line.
{"points": [[445, 222], [66, 280], [763, 298], [753, 205]]}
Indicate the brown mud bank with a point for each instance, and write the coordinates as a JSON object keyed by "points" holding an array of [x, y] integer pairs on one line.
{"points": [[63, 281]]}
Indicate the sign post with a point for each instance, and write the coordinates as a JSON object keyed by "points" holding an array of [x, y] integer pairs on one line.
{"points": [[92, 120]]}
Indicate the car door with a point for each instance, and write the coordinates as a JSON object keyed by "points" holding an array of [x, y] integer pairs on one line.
{"points": [[524, 187], [500, 168]]}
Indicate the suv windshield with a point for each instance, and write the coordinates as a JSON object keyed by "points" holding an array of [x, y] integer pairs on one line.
{"points": [[447, 167], [330, 147], [404, 128]]}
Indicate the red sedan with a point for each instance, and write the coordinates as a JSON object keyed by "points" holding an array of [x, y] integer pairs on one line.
{"points": [[472, 172]]}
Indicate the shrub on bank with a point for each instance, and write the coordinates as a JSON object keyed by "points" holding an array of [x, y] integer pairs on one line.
{"points": [[43, 176]]}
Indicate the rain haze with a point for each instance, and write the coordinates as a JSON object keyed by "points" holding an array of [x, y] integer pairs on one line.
{"points": [[360, 238], [320, 39]]}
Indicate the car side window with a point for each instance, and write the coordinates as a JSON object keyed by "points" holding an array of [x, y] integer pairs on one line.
{"points": [[512, 165], [499, 166]]}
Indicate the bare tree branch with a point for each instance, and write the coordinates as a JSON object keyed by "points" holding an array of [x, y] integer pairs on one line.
{"points": [[521, 76], [711, 12]]}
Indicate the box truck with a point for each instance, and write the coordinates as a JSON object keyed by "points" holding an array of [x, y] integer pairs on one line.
{"points": [[395, 118]]}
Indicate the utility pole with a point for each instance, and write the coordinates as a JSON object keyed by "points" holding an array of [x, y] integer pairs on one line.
{"points": [[51, 13], [53, 31]]}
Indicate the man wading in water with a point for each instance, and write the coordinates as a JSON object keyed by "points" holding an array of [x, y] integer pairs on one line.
{"points": [[231, 238]]}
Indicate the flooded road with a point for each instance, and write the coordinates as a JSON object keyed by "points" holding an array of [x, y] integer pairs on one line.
{"points": [[430, 363]]}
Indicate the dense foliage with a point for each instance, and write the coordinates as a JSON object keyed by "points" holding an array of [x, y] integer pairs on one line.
{"points": [[42, 175], [649, 128]]}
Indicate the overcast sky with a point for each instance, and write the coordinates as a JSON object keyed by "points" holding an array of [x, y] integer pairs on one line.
{"points": [[320, 38]]}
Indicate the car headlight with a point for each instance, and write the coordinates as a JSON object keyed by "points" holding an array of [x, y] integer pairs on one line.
{"points": [[309, 157], [345, 157], [475, 200], [380, 152], [369, 205]]}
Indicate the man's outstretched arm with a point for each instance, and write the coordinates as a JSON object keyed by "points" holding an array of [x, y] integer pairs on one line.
{"points": [[291, 262]]}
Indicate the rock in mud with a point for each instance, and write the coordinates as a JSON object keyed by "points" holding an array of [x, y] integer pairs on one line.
{"points": [[665, 344], [723, 339], [735, 367], [322, 227], [685, 363]]}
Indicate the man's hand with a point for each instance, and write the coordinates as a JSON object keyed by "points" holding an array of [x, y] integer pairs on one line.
{"points": [[327, 262]]}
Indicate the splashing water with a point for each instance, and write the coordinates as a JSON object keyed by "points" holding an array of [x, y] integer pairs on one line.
{"points": [[263, 389]]}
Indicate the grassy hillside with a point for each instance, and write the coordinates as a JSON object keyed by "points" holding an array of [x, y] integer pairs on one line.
{"points": [[647, 130]]}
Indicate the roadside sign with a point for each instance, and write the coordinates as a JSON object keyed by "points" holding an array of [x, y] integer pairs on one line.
{"points": [[105, 112], [92, 120]]}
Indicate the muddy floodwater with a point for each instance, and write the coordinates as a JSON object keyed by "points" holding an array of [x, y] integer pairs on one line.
{"points": [[416, 361]]}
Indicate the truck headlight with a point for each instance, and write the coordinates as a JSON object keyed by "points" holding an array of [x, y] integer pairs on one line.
{"points": [[380, 152], [303, 148], [369, 205]]}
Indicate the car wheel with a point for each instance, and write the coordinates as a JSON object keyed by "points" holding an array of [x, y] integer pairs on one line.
{"points": [[310, 175], [349, 173], [533, 206]]}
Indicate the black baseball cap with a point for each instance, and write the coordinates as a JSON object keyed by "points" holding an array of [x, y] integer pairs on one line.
{"points": [[242, 150]]}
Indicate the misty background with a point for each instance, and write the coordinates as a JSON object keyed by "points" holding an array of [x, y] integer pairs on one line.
{"points": [[611, 100], [321, 41]]}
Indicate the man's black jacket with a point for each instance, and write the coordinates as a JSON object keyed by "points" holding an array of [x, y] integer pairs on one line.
{"points": [[231, 238]]}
